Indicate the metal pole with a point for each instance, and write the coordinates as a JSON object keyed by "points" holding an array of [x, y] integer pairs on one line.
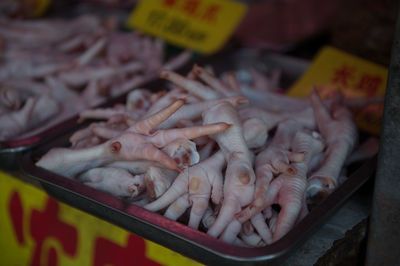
{"points": [[384, 228]]}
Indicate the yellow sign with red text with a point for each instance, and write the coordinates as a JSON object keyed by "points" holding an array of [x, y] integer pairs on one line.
{"points": [[39, 6], [38, 230], [201, 25], [335, 70]]}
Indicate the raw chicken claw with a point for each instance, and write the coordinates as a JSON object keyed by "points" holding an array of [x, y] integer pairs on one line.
{"points": [[197, 154], [340, 133], [199, 182], [115, 181]]}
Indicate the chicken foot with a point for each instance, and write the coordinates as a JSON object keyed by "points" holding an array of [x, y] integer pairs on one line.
{"points": [[134, 144], [272, 161], [289, 190], [239, 176], [340, 133]]}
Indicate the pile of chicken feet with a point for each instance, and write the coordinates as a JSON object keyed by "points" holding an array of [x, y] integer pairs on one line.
{"points": [[240, 163], [47, 64]]}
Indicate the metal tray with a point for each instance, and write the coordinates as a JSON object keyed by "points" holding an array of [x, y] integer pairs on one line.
{"points": [[174, 235]]}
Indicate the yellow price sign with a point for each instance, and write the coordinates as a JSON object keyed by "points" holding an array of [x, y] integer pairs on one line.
{"points": [[33, 8], [201, 25], [40, 7], [38, 230], [333, 69]]}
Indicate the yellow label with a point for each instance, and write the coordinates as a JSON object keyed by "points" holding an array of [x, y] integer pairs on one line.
{"points": [[38, 230], [201, 25], [333, 69], [37, 7]]}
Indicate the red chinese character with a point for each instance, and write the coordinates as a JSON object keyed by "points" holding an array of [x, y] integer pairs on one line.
{"points": [[191, 6], [45, 224], [110, 253], [343, 75], [17, 213], [169, 3], [210, 14], [369, 84]]}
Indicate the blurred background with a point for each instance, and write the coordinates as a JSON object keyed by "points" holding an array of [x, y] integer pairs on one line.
{"points": [[361, 27], [296, 28]]}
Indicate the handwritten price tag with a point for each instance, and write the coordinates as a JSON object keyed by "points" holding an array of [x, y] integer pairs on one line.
{"points": [[201, 25], [333, 69]]}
